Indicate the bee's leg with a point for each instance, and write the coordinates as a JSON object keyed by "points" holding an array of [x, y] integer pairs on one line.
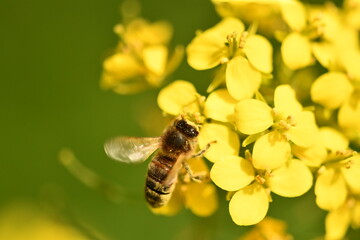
{"points": [[199, 177], [202, 151]]}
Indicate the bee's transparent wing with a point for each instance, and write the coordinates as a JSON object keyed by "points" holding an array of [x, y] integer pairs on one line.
{"points": [[131, 149]]}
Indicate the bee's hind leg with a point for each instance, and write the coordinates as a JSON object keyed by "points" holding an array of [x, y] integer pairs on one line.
{"points": [[198, 177]]}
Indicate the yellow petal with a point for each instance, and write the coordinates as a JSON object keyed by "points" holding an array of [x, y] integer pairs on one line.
{"points": [[201, 198], [293, 179], [324, 53], [252, 116], [220, 106], [305, 130], [271, 151], [232, 173], [333, 140], [352, 174], [331, 89], [178, 97], [249, 205], [296, 51], [337, 223], [285, 101], [227, 141], [350, 60], [140, 31], [258, 50], [155, 58], [312, 156], [349, 115], [294, 14], [119, 67], [198, 165], [330, 189], [356, 215], [242, 80], [208, 49]]}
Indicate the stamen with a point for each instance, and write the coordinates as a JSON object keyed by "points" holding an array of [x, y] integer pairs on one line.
{"points": [[242, 41], [260, 179]]}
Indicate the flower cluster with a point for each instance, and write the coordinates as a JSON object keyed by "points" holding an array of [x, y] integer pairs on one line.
{"points": [[142, 57], [283, 107]]}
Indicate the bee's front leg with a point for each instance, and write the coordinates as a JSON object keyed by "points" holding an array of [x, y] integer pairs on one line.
{"points": [[202, 151], [200, 177]]}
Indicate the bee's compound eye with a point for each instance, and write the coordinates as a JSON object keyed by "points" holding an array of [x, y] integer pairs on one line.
{"points": [[193, 132], [186, 129], [181, 124]]}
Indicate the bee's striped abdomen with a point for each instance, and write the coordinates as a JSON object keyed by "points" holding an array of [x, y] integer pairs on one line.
{"points": [[156, 193]]}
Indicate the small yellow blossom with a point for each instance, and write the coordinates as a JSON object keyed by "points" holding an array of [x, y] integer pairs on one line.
{"points": [[338, 221], [24, 221], [246, 56], [338, 168], [252, 186], [316, 32], [142, 58], [266, 13], [287, 121], [352, 13], [339, 90], [269, 228]]}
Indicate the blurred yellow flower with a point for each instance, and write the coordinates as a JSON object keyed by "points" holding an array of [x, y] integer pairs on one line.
{"points": [[269, 228], [142, 58], [287, 121], [246, 56], [266, 13], [24, 221], [180, 97], [352, 13], [339, 90], [338, 221], [200, 197]]}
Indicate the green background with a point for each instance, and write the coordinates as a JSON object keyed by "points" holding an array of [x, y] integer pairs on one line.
{"points": [[51, 55]]}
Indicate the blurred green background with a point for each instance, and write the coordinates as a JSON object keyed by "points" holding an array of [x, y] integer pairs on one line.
{"points": [[51, 55]]}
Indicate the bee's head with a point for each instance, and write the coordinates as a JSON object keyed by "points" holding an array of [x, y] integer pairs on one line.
{"points": [[184, 127]]}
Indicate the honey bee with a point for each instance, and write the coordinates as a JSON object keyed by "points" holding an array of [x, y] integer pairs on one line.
{"points": [[176, 144]]}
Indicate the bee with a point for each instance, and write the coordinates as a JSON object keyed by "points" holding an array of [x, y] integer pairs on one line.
{"points": [[176, 145]]}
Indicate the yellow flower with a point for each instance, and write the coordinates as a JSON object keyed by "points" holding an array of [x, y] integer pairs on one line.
{"points": [[142, 58], [352, 10], [275, 127], [338, 168], [246, 56], [265, 13], [338, 221], [250, 202], [180, 97], [23, 221], [314, 31], [269, 228], [199, 197], [335, 90]]}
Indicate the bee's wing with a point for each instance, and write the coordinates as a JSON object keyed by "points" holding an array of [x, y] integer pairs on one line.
{"points": [[131, 149]]}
